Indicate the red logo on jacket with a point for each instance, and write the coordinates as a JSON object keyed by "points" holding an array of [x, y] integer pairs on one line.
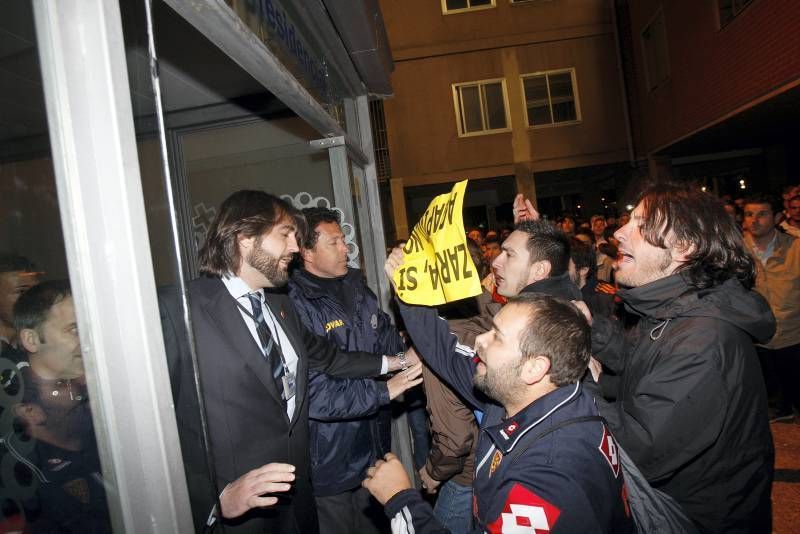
{"points": [[525, 511], [610, 451]]}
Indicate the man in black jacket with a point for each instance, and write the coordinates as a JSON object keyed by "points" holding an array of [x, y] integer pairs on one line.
{"points": [[253, 357], [350, 422], [690, 406]]}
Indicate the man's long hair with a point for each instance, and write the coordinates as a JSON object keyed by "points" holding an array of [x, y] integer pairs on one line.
{"points": [[245, 213], [697, 220]]}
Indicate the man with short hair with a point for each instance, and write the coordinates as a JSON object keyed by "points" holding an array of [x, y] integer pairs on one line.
{"points": [[792, 223], [583, 271], [476, 234], [17, 275], [491, 248], [253, 355], [604, 262], [778, 280], [598, 225], [545, 461], [58, 441], [535, 258], [350, 422], [688, 404]]}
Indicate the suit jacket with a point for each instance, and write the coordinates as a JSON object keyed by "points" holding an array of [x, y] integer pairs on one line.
{"points": [[246, 418]]}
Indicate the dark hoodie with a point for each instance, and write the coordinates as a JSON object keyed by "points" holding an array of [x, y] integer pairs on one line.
{"points": [[690, 406], [560, 286]]}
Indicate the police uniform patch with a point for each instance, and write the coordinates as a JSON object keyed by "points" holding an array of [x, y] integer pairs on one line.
{"points": [[373, 321]]}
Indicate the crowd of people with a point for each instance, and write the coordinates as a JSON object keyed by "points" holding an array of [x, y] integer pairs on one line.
{"points": [[609, 378]]}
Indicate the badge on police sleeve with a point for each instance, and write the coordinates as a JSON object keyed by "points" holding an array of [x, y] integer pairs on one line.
{"points": [[374, 321]]}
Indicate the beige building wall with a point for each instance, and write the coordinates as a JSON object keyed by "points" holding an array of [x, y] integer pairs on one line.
{"points": [[432, 51]]}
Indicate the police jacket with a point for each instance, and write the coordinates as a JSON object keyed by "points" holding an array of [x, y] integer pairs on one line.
{"points": [[552, 467], [349, 430], [690, 408]]}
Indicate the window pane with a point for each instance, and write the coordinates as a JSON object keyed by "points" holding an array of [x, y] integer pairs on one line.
{"points": [[495, 106], [51, 475], [456, 4], [562, 97], [474, 3], [471, 105], [536, 100]]}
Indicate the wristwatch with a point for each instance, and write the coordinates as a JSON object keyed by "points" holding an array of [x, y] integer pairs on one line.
{"points": [[403, 360]]}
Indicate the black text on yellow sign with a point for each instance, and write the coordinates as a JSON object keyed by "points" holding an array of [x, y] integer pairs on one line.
{"points": [[437, 267]]}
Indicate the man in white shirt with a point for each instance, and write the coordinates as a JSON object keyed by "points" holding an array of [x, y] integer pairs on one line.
{"points": [[253, 356]]}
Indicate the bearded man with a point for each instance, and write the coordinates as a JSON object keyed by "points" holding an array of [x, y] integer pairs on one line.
{"points": [[253, 356]]}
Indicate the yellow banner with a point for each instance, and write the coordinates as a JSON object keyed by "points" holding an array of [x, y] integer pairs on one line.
{"points": [[437, 266]]}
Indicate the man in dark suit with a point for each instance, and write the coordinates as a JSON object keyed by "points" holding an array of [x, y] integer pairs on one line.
{"points": [[253, 356]]}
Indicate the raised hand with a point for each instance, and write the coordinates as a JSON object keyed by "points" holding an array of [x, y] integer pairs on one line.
{"points": [[523, 210]]}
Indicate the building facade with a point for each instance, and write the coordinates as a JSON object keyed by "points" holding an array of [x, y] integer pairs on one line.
{"points": [[514, 95], [714, 90]]}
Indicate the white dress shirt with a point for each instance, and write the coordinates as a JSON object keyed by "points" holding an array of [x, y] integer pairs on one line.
{"points": [[239, 290]]}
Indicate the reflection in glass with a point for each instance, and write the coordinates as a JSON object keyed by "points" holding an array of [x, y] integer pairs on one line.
{"points": [[495, 106], [471, 105], [537, 101], [562, 98], [224, 132], [51, 475], [457, 4]]}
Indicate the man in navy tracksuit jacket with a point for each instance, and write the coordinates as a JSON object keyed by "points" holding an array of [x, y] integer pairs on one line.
{"points": [[545, 461]]}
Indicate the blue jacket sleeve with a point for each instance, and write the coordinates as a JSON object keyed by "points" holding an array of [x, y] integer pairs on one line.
{"points": [[335, 399], [441, 351], [410, 514], [389, 340]]}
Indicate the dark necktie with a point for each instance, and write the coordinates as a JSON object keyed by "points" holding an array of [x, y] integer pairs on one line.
{"points": [[271, 349]]}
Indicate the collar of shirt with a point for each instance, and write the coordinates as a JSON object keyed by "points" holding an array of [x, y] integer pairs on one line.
{"points": [[510, 430], [239, 289], [766, 253]]}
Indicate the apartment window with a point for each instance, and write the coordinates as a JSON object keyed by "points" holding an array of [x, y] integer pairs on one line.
{"points": [[481, 107], [458, 6], [654, 46], [730, 9], [550, 97]]}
